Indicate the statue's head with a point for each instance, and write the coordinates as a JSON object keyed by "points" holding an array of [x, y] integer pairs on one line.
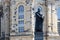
{"points": [[38, 10]]}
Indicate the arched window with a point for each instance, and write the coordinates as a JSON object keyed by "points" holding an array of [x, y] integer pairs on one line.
{"points": [[21, 9], [21, 12], [21, 16]]}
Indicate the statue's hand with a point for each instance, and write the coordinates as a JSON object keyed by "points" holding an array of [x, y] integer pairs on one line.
{"points": [[43, 16]]}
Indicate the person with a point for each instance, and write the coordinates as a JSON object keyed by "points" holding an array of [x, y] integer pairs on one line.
{"points": [[39, 21]]}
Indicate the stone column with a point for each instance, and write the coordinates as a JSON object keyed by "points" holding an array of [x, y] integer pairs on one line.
{"points": [[49, 18], [52, 20], [33, 18]]}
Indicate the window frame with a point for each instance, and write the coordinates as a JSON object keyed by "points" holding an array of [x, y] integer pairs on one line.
{"points": [[21, 22]]}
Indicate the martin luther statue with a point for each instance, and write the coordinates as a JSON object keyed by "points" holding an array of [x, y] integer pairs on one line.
{"points": [[39, 21]]}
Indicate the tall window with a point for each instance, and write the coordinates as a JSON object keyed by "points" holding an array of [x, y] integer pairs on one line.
{"points": [[58, 15], [21, 18]]}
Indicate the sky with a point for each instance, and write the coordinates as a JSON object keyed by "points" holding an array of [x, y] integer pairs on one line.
{"points": [[0, 0], [58, 13]]}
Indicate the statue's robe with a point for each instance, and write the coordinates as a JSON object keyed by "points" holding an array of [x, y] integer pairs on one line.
{"points": [[38, 22]]}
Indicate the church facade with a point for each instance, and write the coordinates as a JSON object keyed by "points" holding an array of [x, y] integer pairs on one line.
{"points": [[21, 19]]}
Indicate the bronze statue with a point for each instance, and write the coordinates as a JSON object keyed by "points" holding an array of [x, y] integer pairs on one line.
{"points": [[39, 21]]}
